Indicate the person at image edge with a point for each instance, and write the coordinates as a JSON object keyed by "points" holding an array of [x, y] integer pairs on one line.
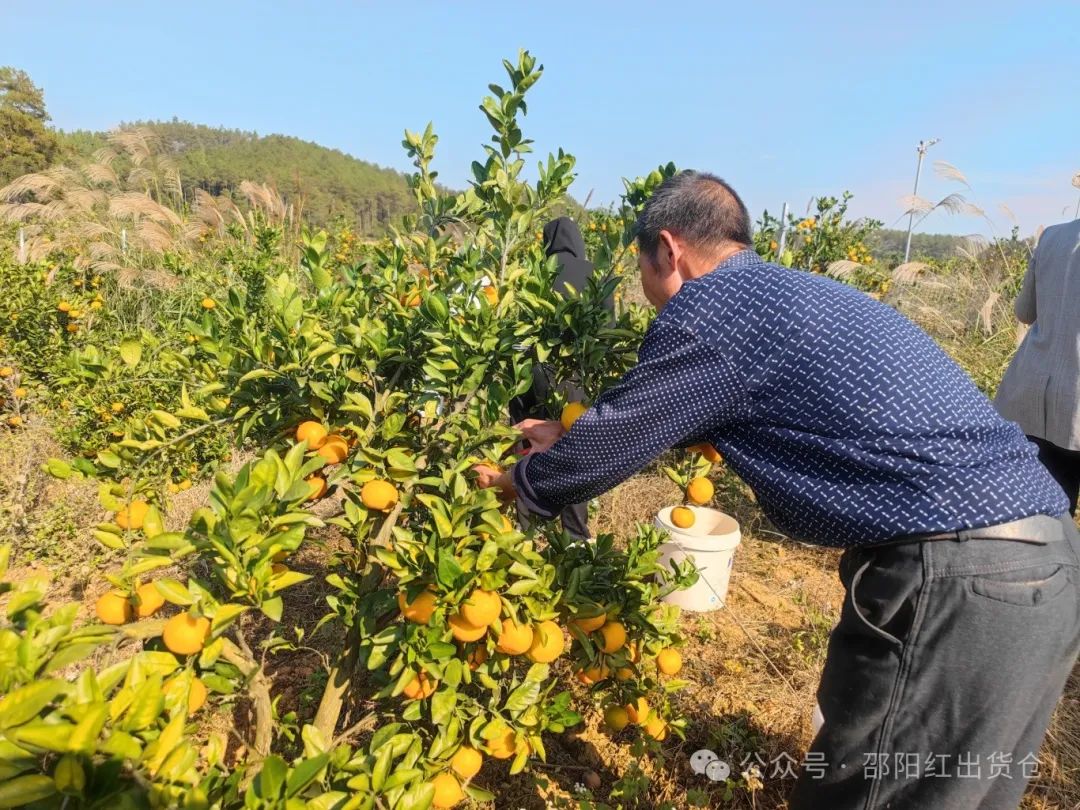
{"points": [[961, 620]]}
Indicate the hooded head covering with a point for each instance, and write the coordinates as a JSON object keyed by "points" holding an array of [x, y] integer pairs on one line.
{"points": [[562, 239]]}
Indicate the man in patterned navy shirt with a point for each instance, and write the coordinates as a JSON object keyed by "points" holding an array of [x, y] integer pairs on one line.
{"points": [[854, 429]]}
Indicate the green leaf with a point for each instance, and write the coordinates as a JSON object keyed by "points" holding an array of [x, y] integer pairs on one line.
{"points": [[165, 419], [272, 608], [108, 539], [57, 468], [174, 591], [304, 773], [24, 790], [131, 351], [25, 702], [107, 458]]}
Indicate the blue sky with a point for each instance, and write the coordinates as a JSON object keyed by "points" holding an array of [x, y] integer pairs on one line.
{"points": [[785, 100]]}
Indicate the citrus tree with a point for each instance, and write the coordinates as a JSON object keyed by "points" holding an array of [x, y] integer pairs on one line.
{"points": [[372, 389]]}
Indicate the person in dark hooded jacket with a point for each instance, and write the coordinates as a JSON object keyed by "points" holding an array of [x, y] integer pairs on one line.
{"points": [[563, 240]]}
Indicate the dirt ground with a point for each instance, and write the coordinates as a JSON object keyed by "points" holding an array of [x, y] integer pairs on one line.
{"points": [[752, 666]]}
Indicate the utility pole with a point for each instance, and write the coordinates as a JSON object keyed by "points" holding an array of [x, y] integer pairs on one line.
{"points": [[922, 147], [781, 242]]}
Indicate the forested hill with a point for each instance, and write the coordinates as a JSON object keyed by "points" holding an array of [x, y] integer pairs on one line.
{"points": [[327, 183]]}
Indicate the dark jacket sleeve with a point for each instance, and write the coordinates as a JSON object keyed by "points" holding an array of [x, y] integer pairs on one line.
{"points": [[680, 388]]}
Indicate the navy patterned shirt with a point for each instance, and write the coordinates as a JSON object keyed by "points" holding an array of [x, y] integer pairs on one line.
{"points": [[850, 424]]}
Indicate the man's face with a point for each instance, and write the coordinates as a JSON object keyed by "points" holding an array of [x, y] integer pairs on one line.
{"points": [[659, 278]]}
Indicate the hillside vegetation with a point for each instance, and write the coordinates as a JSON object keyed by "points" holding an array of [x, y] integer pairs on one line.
{"points": [[324, 185]]}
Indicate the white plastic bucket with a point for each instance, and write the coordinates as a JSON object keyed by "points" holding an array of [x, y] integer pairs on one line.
{"points": [[710, 543]]}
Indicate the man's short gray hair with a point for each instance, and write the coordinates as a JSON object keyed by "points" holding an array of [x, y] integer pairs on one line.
{"points": [[698, 207]]}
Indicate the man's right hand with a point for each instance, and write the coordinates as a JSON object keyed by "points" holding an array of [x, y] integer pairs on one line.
{"points": [[540, 434]]}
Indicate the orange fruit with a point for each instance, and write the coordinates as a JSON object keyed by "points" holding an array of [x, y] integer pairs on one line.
{"points": [[709, 452], [420, 687], [614, 635], [503, 747], [379, 495], [6, 371], [682, 517], [571, 413], [420, 609], [616, 718], [411, 301], [481, 608], [624, 674], [316, 487], [148, 600], [656, 727], [591, 675], [20, 392], [185, 634], [311, 432], [466, 762], [590, 624], [638, 711], [448, 791], [463, 631], [132, 515], [208, 303], [113, 608], [477, 657], [669, 661], [700, 491], [635, 653], [547, 644], [491, 294], [334, 449], [515, 639], [64, 306]]}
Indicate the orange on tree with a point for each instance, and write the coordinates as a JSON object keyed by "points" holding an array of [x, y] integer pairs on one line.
{"points": [[624, 674], [420, 609], [547, 644], [64, 306], [334, 449], [117, 407], [420, 687], [710, 453], [208, 303], [614, 635], [316, 487], [590, 624], [481, 608], [503, 746], [6, 371], [700, 491], [311, 432], [669, 661], [515, 639], [656, 727], [477, 657], [464, 631], [638, 711], [571, 413], [379, 495], [616, 718], [448, 791], [148, 600], [132, 515], [491, 294], [185, 634], [682, 517], [113, 607], [593, 674], [466, 762], [20, 392]]}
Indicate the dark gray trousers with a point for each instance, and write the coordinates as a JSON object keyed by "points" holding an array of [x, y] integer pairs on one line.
{"points": [[941, 676]]}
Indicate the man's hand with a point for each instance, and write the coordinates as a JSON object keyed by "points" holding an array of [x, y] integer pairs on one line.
{"points": [[488, 477], [540, 434]]}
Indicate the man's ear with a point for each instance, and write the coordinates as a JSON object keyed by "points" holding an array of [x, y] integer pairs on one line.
{"points": [[668, 251]]}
